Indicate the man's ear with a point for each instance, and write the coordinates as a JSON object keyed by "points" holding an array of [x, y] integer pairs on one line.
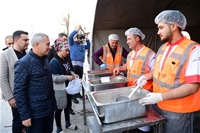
{"points": [[36, 44], [174, 26], [137, 38]]}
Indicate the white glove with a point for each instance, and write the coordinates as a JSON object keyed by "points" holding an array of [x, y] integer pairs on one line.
{"points": [[151, 98], [142, 81]]}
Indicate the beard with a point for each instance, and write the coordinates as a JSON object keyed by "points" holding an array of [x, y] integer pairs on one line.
{"points": [[167, 37]]}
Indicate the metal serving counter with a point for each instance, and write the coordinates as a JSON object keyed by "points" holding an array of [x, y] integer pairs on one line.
{"points": [[96, 126]]}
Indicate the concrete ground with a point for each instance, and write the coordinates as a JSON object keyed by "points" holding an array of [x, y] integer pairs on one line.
{"points": [[6, 117], [77, 119]]}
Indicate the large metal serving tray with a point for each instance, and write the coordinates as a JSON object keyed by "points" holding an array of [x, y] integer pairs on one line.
{"points": [[115, 82], [110, 111], [98, 73]]}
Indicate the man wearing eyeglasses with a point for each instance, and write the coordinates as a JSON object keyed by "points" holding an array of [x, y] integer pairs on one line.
{"points": [[8, 42]]}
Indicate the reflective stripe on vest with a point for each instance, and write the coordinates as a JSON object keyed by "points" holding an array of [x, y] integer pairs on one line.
{"points": [[108, 58], [138, 67], [182, 59], [172, 76], [144, 58]]}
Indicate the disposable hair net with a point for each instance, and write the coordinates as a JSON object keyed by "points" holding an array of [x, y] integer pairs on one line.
{"points": [[172, 16], [186, 34], [135, 31], [113, 37]]}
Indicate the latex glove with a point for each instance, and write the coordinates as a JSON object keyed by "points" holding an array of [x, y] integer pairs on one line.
{"points": [[142, 81], [141, 84], [151, 98], [103, 66]]}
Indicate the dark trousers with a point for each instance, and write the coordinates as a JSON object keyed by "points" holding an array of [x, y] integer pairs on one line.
{"points": [[66, 112], [16, 123], [78, 70], [41, 125]]}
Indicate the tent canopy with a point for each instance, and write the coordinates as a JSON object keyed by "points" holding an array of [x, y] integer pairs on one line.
{"points": [[116, 16]]}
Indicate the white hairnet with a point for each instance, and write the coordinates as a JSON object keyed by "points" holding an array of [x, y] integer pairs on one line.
{"points": [[186, 34], [135, 31], [113, 37], [172, 16]]}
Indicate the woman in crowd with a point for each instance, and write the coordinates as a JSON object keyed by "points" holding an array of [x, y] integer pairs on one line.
{"points": [[62, 72]]}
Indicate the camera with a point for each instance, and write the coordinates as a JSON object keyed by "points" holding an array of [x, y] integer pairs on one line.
{"points": [[80, 36]]}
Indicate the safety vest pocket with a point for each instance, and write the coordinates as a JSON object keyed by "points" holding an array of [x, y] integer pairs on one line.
{"points": [[172, 66]]}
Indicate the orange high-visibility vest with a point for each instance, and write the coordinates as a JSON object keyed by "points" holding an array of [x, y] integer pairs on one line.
{"points": [[172, 75], [139, 68], [108, 58]]}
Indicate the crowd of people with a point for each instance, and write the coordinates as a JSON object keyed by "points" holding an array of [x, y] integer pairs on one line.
{"points": [[171, 75], [28, 83]]}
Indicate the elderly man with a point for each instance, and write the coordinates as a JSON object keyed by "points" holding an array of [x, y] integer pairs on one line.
{"points": [[8, 42], [7, 61], [176, 75], [33, 87], [110, 53]]}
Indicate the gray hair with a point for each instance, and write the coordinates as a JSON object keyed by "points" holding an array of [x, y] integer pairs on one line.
{"points": [[38, 37], [9, 36]]}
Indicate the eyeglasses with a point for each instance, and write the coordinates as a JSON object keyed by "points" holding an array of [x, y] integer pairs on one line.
{"points": [[10, 43]]}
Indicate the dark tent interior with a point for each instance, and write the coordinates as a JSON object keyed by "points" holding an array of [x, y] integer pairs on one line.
{"points": [[116, 16]]}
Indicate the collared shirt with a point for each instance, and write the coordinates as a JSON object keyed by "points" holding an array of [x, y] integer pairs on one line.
{"points": [[19, 54], [135, 54], [172, 45], [193, 69], [169, 49], [151, 60], [192, 72]]}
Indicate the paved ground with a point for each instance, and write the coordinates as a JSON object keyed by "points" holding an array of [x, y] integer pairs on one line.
{"points": [[6, 118]]}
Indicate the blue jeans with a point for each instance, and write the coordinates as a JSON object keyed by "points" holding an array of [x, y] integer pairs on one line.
{"points": [[41, 125], [16, 123]]}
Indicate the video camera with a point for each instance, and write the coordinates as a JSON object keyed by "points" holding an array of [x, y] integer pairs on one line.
{"points": [[81, 36]]}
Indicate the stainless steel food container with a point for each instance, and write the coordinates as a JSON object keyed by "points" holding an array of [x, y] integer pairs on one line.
{"points": [[115, 82], [110, 111], [98, 73]]}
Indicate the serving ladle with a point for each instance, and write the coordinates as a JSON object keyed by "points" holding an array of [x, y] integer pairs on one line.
{"points": [[123, 97]]}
